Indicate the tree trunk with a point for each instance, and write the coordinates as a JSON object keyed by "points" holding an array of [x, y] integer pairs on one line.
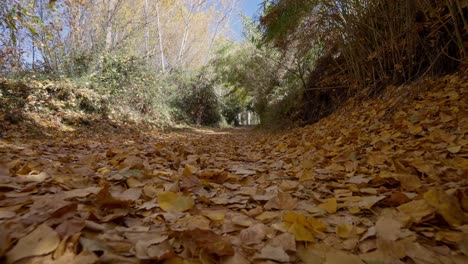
{"points": [[109, 36], [147, 33], [160, 35]]}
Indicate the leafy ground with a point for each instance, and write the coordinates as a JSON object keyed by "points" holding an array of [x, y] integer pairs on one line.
{"points": [[384, 181]]}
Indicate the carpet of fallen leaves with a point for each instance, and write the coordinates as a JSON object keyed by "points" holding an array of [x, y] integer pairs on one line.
{"points": [[381, 182]]}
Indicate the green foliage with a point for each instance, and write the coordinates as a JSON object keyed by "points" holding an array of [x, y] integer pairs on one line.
{"points": [[282, 17], [195, 100], [79, 64], [115, 72], [234, 103]]}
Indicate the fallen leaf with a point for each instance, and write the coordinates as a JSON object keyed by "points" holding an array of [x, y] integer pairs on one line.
{"points": [[237, 258], [154, 249], [418, 210], [409, 182], [454, 149], [253, 235], [286, 241], [447, 206], [35, 177], [43, 240], [267, 216], [329, 205], [340, 257], [273, 253], [214, 214], [80, 193], [282, 201], [387, 228], [189, 170], [208, 241], [344, 230], [6, 215], [301, 233], [172, 202], [104, 198], [303, 227]]}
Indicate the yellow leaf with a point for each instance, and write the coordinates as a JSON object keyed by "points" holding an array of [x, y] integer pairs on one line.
{"points": [[447, 206], [418, 210], [415, 130], [215, 215], [454, 149], [307, 221], [408, 181], [307, 164], [450, 237], [189, 170], [344, 230], [354, 210], [306, 175], [103, 170], [329, 205], [301, 233], [172, 202]]}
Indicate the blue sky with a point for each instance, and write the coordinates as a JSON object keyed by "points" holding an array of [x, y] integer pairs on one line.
{"points": [[249, 8]]}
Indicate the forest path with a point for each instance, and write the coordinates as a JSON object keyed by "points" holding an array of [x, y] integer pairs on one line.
{"points": [[385, 181]]}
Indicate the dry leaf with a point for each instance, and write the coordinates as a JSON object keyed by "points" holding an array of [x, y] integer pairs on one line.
{"points": [[340, 257], [409, 182], [303, 227], [447, 206], [172, 202], [286, 241], [208, 240], [329, 205], [273, 253], [43, 240], [301, 233], [387, 228], [344, 230], [253, 235], [418, 210], [282, 201]]}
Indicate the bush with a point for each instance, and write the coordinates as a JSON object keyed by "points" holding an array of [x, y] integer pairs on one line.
{"points": [[195, 100]]}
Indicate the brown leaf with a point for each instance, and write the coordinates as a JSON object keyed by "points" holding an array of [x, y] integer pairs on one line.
{"points": [[152, 249], [286, 241], [282, 201], [273, 253], [387, 228], [253, 235], [70, 227], [409, 182], [396, 199], [208, 241], [104, 198], [418, 210], [237, 258], [340, 257], [43, 240]]}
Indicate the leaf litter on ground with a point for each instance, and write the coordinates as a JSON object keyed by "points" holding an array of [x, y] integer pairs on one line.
{"points": [[381, 181]]}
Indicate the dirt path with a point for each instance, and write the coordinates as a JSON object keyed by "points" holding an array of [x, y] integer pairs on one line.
{"points": [[358, 186]]}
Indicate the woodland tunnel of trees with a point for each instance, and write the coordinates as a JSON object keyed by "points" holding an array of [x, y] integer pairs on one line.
{"points": [[119, 138], [169, 62]]}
